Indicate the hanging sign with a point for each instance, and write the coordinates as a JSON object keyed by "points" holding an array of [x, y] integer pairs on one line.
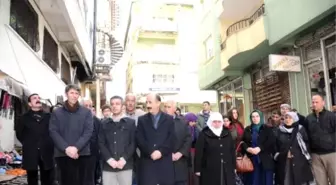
{"points": [[284, 63]]}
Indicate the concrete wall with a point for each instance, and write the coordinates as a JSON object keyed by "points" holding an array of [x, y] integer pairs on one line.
{"points": [[288, 17], [209, 71], [247, 91]]}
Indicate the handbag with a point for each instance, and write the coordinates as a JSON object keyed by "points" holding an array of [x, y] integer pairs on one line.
{"points": [[243, 164]]}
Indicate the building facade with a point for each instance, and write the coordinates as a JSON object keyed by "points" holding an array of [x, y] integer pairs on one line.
{"points": [[44, 46], [258, 50], [42, 52], [312, 38], [163, 53]]}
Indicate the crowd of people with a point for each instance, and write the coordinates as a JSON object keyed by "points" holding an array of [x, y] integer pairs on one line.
{"points": [[71, 146]]}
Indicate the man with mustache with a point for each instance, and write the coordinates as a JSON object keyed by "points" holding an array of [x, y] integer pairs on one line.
{"points": [[155, 138], [32, 131], [71, 128]]}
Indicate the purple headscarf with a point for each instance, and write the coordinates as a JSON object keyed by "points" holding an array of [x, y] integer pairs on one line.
{"points": [[190, 117]]}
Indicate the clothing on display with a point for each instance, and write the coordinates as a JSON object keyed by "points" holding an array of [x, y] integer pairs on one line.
{"points": [[6, 105]]}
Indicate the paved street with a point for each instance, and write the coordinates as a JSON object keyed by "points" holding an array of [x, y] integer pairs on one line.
{"points": [[17, 181]]}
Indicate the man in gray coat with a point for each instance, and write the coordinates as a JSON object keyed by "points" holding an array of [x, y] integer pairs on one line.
{"points": [[71, 128]]}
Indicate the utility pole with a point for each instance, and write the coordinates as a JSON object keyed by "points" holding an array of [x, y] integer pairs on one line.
{"points": [[94, 46], [97, 96]]}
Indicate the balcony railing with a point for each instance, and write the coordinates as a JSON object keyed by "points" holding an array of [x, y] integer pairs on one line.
{"points": [[242, 24]]}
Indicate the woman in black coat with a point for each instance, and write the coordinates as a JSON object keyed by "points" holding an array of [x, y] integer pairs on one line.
{"points": [[258, 144], [215, 159], [292, 153]]}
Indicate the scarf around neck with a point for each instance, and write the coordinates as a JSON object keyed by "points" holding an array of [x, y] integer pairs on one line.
{"points": [[71, 108], [299, 138]]}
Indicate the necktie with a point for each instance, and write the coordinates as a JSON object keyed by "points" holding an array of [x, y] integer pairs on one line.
{"points": [[156, 121]]}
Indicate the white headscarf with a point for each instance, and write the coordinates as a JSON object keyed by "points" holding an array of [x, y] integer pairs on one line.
{"points": [[215, 116]]}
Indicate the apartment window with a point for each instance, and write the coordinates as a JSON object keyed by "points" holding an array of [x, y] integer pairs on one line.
{"points": [[163, 79], [65, 71], [20, 10], [209, 48], [50, 51]]}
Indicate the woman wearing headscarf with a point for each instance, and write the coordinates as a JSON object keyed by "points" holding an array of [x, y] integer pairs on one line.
{"points": [[258, 144], [227, 122], [239, 127], [215, 159], [191, 120], [292, 153]]}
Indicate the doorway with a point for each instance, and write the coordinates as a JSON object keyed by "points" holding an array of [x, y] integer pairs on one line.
{"points": [[329, 52], [315, 76]]}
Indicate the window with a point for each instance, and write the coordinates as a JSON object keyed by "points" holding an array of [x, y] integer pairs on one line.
{"points": [[232, 96], [50, 51], [65, 71], [163, 79], [209, 50], [20, 10]]}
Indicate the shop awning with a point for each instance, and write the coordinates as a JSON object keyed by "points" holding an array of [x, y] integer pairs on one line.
{"points": [[24, 65], [13, 87]]}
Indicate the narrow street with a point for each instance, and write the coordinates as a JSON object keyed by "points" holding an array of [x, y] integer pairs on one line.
{"points": [[17, 181]]}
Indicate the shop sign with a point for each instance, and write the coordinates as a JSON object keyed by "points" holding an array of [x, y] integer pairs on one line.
{"points": [[284, 63], [164, 89]]}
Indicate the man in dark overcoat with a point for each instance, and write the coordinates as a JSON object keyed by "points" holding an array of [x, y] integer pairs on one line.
{"points": [[182, 145], [155, 139], [32, 131]]}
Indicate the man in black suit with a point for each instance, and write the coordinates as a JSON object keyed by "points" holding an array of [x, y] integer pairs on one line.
{"points": [[155, 139], [38, 148], [182, 144]]}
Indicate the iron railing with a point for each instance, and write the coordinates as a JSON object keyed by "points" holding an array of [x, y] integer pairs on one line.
{"points": [[242, 24]]}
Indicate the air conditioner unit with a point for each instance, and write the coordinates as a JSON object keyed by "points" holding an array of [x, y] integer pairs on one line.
{"points": [[103, 56]]}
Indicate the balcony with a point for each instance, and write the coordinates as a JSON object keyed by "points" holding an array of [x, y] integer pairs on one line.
{"points": [[158, 28], [242, 39]]}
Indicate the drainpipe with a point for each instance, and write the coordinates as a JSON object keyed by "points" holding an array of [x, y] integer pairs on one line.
{"points": [[94, 45], [94, 42], [128, 24]]}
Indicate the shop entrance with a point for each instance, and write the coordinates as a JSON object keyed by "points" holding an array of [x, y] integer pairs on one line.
{"points": [[320, 69], [329, 52]]}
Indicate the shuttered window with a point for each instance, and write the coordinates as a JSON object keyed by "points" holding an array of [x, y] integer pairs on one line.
{"points": [[50, 51], [270, 90], [65, 71]]}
